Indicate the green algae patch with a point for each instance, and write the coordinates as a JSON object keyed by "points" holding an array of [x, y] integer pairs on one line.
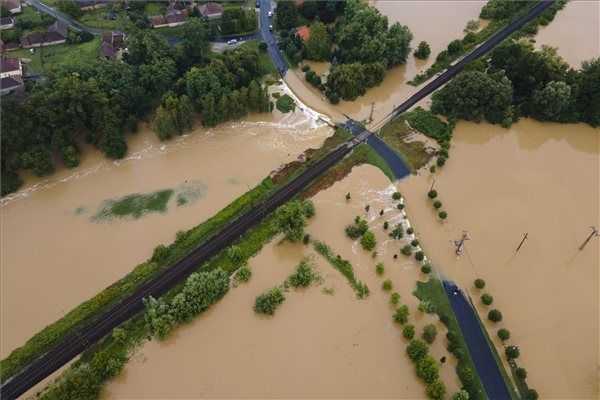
{"points": [[134, 205]]}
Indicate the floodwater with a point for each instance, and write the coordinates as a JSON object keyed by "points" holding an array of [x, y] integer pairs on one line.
{"points": [[54, 256], [575, 31], [316, 345], [436, 22], [540, 179]]}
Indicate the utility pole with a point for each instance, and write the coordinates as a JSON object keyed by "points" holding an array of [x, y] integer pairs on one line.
{"points": [[522, 241], [594, 233], [371, 115], [460, 244], [432, 184]]}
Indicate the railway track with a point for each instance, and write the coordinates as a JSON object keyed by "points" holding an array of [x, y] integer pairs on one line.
{"points": [[82, 338]]}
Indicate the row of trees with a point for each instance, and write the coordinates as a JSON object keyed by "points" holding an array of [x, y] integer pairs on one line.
{"points": [[521, 81], [238, 20], [288, 15]]}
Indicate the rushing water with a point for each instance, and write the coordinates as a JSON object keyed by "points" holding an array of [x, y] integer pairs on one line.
{"points": [[575, 31], [540, 179], [55, 256], [316, 345]]}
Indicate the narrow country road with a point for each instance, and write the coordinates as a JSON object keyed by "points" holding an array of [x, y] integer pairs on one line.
{"points": [[37, 4]]}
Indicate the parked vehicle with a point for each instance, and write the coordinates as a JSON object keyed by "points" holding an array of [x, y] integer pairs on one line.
{"points": [[270, 13], [232, 42], [271, 28]]}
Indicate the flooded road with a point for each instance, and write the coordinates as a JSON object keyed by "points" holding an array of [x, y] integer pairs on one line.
{"points": [[575, 31], [540, 179], [54, 256], [316, 345]]}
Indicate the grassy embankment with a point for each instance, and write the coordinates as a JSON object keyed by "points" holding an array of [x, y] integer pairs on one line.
{"points": [[473, 39], [98, 19]]}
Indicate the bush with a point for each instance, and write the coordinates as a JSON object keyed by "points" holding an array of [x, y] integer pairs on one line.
{"points": [[504, 334], [379, 269], [426, 307], [428, 370], [487, 299], [397, 233], [387, 285], [408, 331], [268, 302], [443, 214], [303, 276], [437, 204], [285, 104], [359, 228], [429, 333], [386, 225], [414, 242], [426, 269], [368, 241], [512, 352], [395, 298], [410, 231], [160, 254], [532, 394], [432, 169], [401, 314], [521, 373], [419, 255], [244, 274], [436, 390], [479, 283], [461, 395], [432, 194], [416, 350], [423, 51], [441, 161], [396, 196], [262, 46], [495, 315], [406, 250], [400, 206]]}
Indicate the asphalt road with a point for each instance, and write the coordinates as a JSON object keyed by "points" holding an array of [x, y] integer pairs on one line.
{"points": [[63, 17], [269, 38]]}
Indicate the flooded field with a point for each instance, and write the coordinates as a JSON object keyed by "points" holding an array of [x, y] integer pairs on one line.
{"points": [[55, 254], [316, 345], [575, 31], [540, 179]]}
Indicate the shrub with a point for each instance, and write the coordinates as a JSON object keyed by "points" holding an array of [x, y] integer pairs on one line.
{"points": [[268, 302], [400, 206], [406, 250], [408, 331], [414, 243], [359, 228], [532, 394], [160, 254], [428, 370], [461, 395], [432, 194], [504, 334], [387, 285], [479, 283], [432, 169], [262, 46], [396, 196], [487, 299], [495, 315], [521, 373], [443, 214], [303, 276], [397, 233], [368, 241], [379, 269], [426, 307], [512, 352], [395, 298], [401, 314], [410, 231], [437, 204], [419, 255], [429, 333], [416, 350], [386, 225], [426, 269], [436, 390], [441, 161], [244, 274]]}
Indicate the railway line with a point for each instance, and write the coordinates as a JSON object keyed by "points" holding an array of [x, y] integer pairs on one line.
{"points": [[82, 338]]}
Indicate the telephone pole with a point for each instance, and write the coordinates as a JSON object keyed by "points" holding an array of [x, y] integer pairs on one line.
{"points": [[371, 115], [432, 184], [522, 241], [460, 244], [594, 233]]}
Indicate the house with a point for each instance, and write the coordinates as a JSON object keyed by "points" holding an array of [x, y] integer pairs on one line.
{"points": [[13, 6], [42, 39], [303, 32], [11, 75], [59, 27], [85, 5], [211, 10], [173, 18], [4, 47], [112, 43], [7, 23]]}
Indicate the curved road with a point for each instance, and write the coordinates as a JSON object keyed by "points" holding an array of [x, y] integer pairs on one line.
{"points": [[80, 339], [63, 17]]}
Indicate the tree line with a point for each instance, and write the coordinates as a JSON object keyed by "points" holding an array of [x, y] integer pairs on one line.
{"points": [[520, 81], [99, 102]]}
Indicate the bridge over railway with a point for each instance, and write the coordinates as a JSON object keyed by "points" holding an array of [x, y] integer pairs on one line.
{"points": [[85, 336]]}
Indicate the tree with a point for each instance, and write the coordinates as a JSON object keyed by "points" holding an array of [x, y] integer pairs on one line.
{"points": [[303, 276], [286, 15], [395, 298], [479, 283], [521, 373], [396, 196], [397, 44], [455, 47], [408, 331], [475, 96], [196, 46], [487, 299], [416, 350], [39, 160], [70, 7], [532, 394], [419, 256], [443, 215], [461, 395], [427, 369], [290, 219], [512, 352], [588, 98], [268, 302], [318, 45], [401, 314], [432, 194], [437, 204], [423, 51], [429, 333], [436, 390], [387, 285], [504, 334], [472, 26], [495, 315], [368, 241], [553, 103], [379, 269]]}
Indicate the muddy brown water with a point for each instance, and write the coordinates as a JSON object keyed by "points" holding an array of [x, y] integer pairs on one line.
{"points": [[575, 31], [316, 345], [540, 179], [54, 257]]}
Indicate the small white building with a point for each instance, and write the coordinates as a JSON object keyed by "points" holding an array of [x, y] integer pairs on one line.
{"points": [[7, 23], [13, 6]]}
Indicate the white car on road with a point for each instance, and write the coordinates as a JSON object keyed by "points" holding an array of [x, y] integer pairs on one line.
{"points": [[232, 42], [270, 14]]}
